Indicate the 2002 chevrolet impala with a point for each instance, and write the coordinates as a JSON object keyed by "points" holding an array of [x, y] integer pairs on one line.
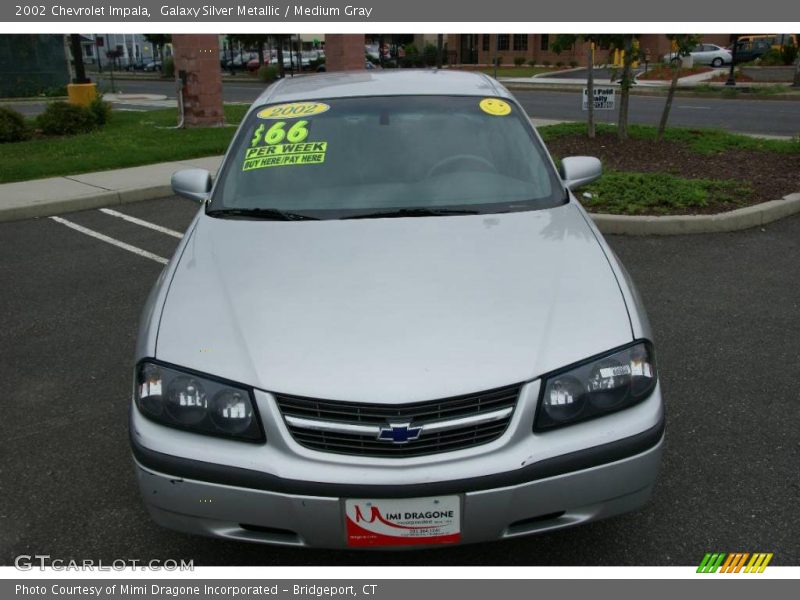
{"points": [[392, 324]]}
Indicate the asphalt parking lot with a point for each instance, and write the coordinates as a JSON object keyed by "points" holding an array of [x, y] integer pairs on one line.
{"points": [[725, 309]]}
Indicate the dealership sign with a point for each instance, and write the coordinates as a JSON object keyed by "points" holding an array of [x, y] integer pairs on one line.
{"points": [[603, 98]]}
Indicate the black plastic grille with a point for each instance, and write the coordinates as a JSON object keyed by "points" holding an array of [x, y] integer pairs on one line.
{"points": [[416, 413]]}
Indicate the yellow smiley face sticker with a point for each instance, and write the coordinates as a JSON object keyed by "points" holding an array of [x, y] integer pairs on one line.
{"points": [[495, 107]]}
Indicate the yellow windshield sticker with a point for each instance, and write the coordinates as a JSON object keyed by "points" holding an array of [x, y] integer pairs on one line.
{"points": [[495, 107], [298, 132], [279, 145], [293, 110], [279, 155]]}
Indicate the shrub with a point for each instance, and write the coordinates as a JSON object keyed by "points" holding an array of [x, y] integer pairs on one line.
{"points": [[62, 118], [56, 92], [101, 110], [168, 68], [412, 57], [269, 73], [789, 53], [519, 61], [429, 54], [531, 63], [573, 63], [546, 63], [498, 61], [13, 127], [560, 64], [771, 59]]}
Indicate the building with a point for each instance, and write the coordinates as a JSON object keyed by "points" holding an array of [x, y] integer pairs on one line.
{"points": [[479, 49], [133, 48]]}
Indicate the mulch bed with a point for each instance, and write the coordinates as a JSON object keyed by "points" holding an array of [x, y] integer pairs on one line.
{"points": [[665, 73], [771, 175]]}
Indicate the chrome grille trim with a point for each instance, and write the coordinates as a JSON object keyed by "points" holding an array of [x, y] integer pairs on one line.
{"points": [[369, 429], [430, 427]]}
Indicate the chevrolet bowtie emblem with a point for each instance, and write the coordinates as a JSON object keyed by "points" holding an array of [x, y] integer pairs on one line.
{"points": [[399, 433]]}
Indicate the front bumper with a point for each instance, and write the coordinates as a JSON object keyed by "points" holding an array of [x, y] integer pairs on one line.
{"points": [[545, 502], [283, 493]]}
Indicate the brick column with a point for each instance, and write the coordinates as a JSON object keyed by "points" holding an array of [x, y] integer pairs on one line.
{"points": [[344, 52], [198, 55]]}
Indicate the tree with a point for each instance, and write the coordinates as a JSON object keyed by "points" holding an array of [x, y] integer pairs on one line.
{"points": [[159, 40], [625, 42], [77, 58], [566, 42], [281, 69], [796, 82], [251, 41], [683, 44]]}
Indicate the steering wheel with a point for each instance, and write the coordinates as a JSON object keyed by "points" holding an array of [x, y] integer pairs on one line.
{"points": [[459, 158]]}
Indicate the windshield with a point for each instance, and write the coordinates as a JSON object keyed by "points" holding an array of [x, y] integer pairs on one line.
{"points": [[351, 157]]}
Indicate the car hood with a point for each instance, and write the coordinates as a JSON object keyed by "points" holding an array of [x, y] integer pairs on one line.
{"points": [[391, 310]]}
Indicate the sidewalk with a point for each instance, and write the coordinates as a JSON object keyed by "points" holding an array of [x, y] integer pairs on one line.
{"points": [[56, 195]]}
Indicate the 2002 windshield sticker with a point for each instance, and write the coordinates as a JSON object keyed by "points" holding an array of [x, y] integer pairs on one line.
{"points": [[283, 144]]}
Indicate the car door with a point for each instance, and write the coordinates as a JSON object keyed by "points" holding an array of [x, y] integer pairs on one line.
{"points": [[702, 54]]}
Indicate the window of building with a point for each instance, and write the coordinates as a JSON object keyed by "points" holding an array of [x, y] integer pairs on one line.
{"points": [[502, 41], [545, 43], [520, 42], [485, 42]]}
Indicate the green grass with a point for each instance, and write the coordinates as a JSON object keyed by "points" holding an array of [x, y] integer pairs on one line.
{"points": [[129, 140], [700, 141], [659, 193], [770, 90], [517, 71]]}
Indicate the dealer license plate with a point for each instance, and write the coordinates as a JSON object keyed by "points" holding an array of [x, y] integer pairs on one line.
{"points": [[409, 521]]}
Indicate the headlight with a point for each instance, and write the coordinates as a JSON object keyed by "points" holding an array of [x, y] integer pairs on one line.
{"points": [[596, 387], [196, 403]]}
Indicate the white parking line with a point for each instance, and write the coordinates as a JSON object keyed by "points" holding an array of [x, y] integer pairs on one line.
{"points": [[142, 222], [110, 240]]}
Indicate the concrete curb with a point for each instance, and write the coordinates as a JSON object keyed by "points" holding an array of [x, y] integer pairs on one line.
{"points": [[735, 220], [50, 208]]}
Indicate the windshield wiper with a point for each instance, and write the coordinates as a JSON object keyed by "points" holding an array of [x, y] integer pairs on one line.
{"points": [[413, 212], [269, 214]]}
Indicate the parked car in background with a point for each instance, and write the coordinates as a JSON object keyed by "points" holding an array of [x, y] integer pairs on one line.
{"points": [[348, 350], [136, 65], [153, 65], [705, 54], [239, 62], [751, 49], [368, 65], [776, 40]]}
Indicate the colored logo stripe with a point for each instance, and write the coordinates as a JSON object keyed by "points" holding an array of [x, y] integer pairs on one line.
{"points": [[759, 562], [711, 562], [734, 562]]}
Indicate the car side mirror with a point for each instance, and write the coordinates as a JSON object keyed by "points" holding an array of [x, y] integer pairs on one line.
{"points": [[194, 184], [577, 171]]}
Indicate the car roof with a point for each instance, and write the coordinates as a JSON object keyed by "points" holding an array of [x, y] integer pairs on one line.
{"points": [[379, 82]]}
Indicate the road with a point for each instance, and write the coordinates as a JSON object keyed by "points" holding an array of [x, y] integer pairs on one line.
{"points": [[766, 117], [724, 309]]}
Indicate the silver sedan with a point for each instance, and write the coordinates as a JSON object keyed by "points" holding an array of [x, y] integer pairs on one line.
{"points": [[705, 54], [392, 324]]}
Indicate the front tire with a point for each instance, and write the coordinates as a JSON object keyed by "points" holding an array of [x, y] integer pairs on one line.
{"points": [[717, 62]]}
